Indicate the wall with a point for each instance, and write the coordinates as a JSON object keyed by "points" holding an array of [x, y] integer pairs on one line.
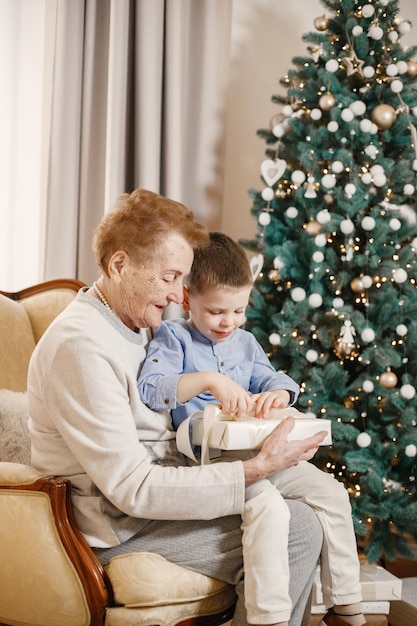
{"points": [[266, 35]]}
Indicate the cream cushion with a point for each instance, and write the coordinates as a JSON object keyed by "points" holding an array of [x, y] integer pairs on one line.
{"points": [[14, 434], [153, 590], [16, 345]]}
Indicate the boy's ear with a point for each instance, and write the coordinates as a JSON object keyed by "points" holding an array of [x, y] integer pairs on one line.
{"points": [[185, 302]]}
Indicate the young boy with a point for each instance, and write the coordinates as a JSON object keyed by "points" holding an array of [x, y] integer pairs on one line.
{"points": [[208, 358]]}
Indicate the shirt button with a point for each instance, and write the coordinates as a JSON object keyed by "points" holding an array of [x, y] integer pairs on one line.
{"points": [[166, 401], [221, 363]]}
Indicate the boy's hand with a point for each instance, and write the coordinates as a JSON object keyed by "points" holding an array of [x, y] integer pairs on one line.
{"points": [[232, 397], [266, 400]]}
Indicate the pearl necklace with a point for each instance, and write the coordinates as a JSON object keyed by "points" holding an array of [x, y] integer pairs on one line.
{"points": [[102, 298]]}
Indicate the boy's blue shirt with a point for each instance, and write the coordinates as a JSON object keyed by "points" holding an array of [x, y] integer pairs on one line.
{"points": [[178, 348]]}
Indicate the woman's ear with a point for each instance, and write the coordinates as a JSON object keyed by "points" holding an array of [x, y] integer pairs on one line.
{"points": [[119, 262], [185, 302]]}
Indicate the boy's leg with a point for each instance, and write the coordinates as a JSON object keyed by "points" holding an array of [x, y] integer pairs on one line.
{"points": [[265, 554], [214, 548], [339, 557]]}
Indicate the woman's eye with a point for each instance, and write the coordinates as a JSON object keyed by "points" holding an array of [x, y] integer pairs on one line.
{"points": [[169, 278]]}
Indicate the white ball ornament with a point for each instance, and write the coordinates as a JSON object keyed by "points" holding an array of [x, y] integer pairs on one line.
{"points": [[338, 303], [393, 36], [409, 189], [368, 10], [377, 169], [267, 194], [332, 65], [379, 180], [415, 111], [357, 30], [264, 219], [374, 129], [318, 257], [298, 177], [395, 223], [347, 226], [368, 223], [414, 166], [368, 335], [397, 85], [368, 386], [363, 440], [316, 114], [315, 300], [320, 240], [401, 330], [391, 69], [323, 216], [368, 71], [376, 33], [365, 125], [408, 391], [287, 110], [328, 181], [402, 67], [404, 27], [367, 281], [333, 126], [350, 190], [298, 294], [337, 167], [410, 450], [311, 356], [400, 275], [347, 115], [371, 151], [291, 212], [366, 178], [358, 107], [278, 130], [278, 263], [274, 339], [414, 243]]}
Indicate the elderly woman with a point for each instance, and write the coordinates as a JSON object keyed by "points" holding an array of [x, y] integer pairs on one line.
{"points": [[131, 490]]}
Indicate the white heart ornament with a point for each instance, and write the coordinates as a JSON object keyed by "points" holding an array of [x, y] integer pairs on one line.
{"points": [[273, 170], [256, 264]]}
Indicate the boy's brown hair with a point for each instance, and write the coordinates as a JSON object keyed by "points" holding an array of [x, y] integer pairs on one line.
{"points": [[222, 263]]}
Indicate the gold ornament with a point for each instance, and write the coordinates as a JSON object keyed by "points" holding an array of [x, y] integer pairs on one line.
{"points": [[313, 228], [384, 116], [357, 285], [274, 276], [327, 101], [321, 23], [411, 68], [388, 379]]}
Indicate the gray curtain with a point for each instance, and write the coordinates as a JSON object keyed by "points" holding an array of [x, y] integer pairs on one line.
{"points": [[139, 92]]}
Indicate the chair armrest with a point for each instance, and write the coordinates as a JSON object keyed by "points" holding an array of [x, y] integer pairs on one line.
{"points": [[22, 490]]}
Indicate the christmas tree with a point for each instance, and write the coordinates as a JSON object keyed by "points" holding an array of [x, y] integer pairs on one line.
{"points": [[335, 304]]}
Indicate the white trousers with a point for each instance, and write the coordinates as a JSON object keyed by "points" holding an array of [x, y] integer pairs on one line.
{"points": [[265, 554]]}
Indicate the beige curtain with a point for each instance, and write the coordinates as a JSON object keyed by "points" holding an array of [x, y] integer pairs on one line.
{"points": [[139, 93]]}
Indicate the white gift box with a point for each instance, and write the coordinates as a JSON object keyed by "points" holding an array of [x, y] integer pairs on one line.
{"points": [[249, 433], [377, 585]]}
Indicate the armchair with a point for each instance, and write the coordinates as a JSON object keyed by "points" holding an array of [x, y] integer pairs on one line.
{"points": [[49, 576]]}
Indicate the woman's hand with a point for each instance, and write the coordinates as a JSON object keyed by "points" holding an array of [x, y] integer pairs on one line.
{"points": [[277, 453], [266, 400]]}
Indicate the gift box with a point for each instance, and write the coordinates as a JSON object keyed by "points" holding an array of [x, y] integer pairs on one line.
{"points": [[372, 620], [404, 611], [377, 585], [369, 608], [249, 433]]}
